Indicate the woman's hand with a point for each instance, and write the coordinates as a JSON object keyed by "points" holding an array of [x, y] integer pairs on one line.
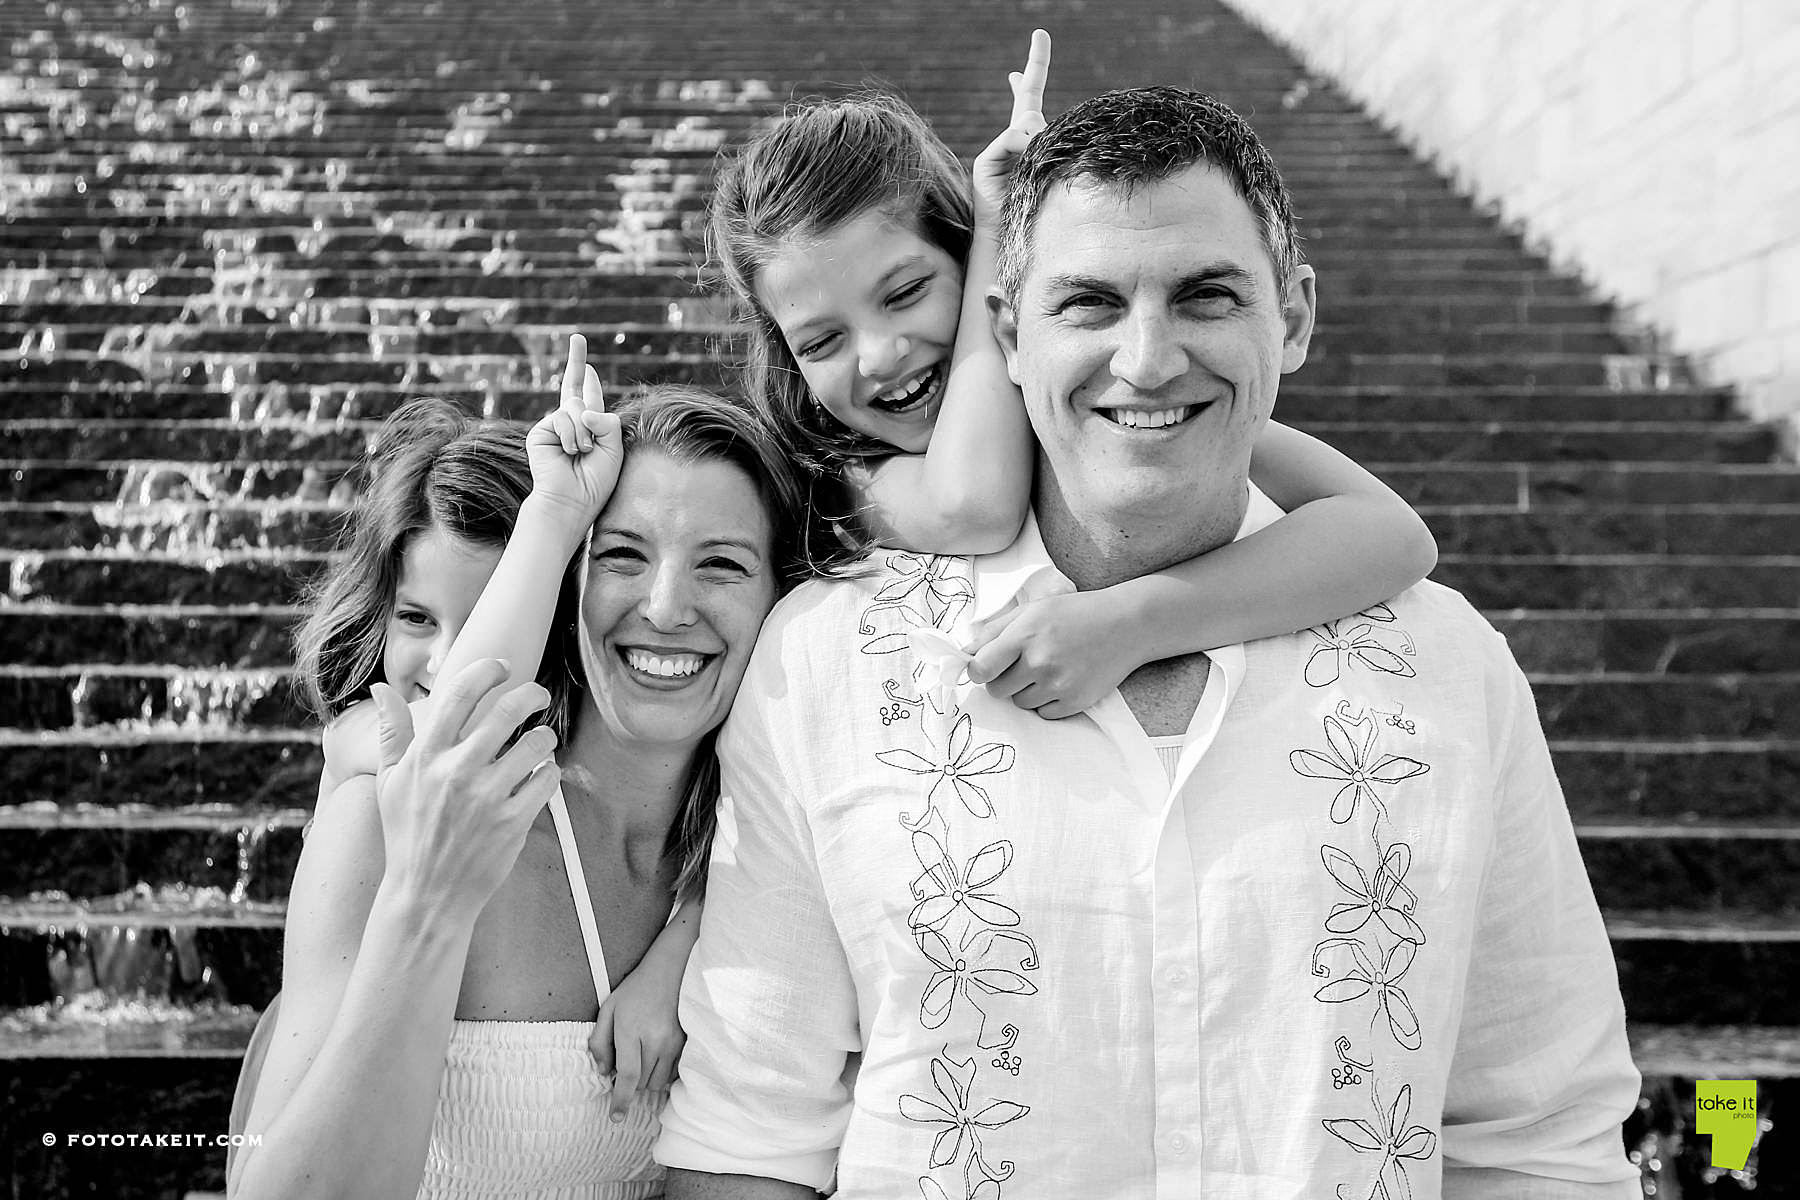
{"points": [[455, 808], [576, 451], [994, 165]]}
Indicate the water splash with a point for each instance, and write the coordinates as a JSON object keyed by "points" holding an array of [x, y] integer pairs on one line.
{"points": [[206, 699], [22, 577]]}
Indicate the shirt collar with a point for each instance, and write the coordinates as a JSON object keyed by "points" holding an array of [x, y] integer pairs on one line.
{"points": [[999, 577]]}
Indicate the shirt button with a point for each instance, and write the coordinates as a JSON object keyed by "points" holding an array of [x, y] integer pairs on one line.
{"points": [[1178, 1143], [1178, 976]]}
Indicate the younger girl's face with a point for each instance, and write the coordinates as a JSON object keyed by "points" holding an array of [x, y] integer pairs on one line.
{"points": [[441, 577], [869, 312]]}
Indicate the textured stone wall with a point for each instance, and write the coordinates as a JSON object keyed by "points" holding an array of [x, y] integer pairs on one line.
{"points": [[1651, 144]]}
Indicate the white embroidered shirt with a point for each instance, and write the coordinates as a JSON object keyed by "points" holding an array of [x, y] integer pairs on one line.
{"points": [[1350, 950]]}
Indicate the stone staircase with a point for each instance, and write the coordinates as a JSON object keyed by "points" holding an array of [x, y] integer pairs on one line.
{"points": [[234, 235]]}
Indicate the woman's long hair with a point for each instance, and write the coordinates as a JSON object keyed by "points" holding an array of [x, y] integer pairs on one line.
{"points": [[825, 162]]}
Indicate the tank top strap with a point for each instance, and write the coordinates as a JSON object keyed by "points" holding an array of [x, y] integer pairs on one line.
{"points": [[584, 903]]}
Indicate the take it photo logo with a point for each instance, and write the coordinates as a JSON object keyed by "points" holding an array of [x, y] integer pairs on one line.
{"points": [[1725, 1109]]}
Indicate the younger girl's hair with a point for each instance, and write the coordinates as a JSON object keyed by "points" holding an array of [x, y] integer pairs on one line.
{"points": [[691, 425], [822, 163], [432, 467]]}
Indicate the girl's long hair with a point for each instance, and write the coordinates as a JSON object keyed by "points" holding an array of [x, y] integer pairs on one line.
{"points": [[822, 163], [433, 466]]}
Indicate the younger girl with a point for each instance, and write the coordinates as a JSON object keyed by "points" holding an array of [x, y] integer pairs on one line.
{"points": [[847, 236], [442, 497]]}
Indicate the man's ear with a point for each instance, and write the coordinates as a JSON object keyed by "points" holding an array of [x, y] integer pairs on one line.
{"points": [[1298, 307], [1006, 330]]}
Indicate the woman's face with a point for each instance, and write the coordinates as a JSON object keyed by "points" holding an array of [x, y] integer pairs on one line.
{"points": [[678, 580], [869, 311]]}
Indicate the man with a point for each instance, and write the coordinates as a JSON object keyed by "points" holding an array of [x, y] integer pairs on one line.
{"points": [[1299, 918]]}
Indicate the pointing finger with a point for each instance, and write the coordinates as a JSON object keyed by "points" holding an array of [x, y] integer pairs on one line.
{"points": [[572, 379], [1028, 86]]}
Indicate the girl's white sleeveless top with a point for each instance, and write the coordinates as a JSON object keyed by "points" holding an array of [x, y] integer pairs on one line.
{"points": [[522, 1112]]}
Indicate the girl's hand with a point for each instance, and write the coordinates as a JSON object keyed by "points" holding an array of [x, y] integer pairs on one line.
{"points": [[1058, 655], [993, 166], [576, 451], [637, 1039], [455, 808]]}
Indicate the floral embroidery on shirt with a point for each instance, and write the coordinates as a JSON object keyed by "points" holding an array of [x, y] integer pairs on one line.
{"points": [[1353, 1069], [926, 591], [990, 961], [1390, 1136], [1352, 761], [1386, 896], [1375, 933], [957, 766], [959, 1126], [1342, 643], [942, 890], [964, 928], [1358, 976]]}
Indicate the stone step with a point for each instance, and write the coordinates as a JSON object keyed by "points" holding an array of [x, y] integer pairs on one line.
{"points": [[176, 526], [344, 334], [171, 525], [1743, 875], [354, 291], [1695, 642], [1716, 1052], [135, 816], [276, 400], [1604, 778], [1588, 581], [1732, 976], [226, 441], [1686, 781], [1569, 643], [148, 482], [266, 770], [101, 862], [1743, 529], [64, 695], [1623, 581], [241, 637], [1707, 969], [133, 695], [1536, 485]]}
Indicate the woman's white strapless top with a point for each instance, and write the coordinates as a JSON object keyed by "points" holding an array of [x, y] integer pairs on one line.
{"points": [[522, 1111]]}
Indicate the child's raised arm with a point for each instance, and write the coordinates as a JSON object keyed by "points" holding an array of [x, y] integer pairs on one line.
{"points": [[575, 455], [1346, 543], [968, 493]]}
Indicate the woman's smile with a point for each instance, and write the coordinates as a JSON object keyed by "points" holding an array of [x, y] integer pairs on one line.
{"points": [[678, 580]]}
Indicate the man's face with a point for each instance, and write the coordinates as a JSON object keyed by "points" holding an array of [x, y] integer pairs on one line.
{"points": [[1149, 338]]}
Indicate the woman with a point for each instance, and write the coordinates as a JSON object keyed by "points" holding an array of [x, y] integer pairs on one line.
{"points": [[450, 942]]}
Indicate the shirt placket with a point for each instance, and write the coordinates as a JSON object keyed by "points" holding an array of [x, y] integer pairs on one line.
{"points": [[1175, 974]]}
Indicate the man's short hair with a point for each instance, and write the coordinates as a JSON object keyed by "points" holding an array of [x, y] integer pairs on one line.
{"points": [[1145, 135]]}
